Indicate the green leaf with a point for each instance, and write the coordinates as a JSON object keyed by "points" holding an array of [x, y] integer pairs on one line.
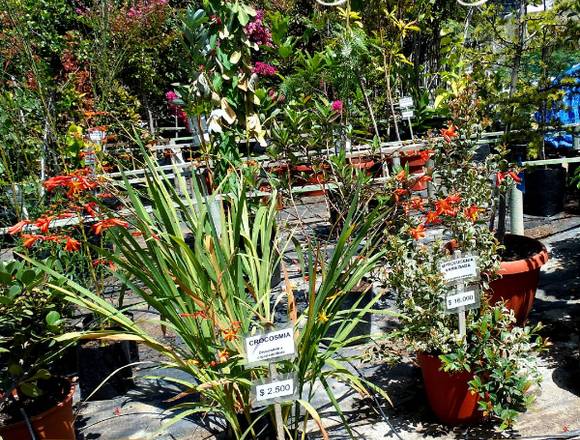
{"points": [[14, 290], [52, 318], [30, 389], [27, 277]]}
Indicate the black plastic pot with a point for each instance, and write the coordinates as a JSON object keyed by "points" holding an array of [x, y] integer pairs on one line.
{"points": [[97, 360], [545, 190]]}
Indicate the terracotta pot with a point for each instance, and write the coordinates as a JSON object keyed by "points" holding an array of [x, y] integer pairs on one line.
{"points": [[313, 177], [415, 161], [55, 423], [448, 394], [519, 278]]}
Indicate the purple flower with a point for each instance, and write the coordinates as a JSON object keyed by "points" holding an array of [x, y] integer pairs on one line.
{"points": [[171, 96], [257, 32], [264, 69], [337, 106]]}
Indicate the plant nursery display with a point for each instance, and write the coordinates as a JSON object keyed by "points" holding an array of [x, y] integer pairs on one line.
{"points": [[267, 219]]}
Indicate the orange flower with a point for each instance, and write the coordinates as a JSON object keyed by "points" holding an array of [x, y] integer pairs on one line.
{"points": [[445, 207], [449, 133], [56, 181], [17, 228], [425, 154], [231, 334], [432, 217], [401, 175], [454, 198], [43, 223], [472, 212], [72, 245], [418, 232], [223, 355], [417, 203], [423, 179], [197, 314], [30, 239], [90, 208], [103, 261], [99, 227], [65, 215], [398, 193], [501, 175]]}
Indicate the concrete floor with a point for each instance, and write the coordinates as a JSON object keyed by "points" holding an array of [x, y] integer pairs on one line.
{"points": [[557, 410]]}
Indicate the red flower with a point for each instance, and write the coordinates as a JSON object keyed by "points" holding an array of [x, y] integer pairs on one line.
{"points": [[43, 223], [90, 208], [103, 261], [17, 228], [99, 227], [445, 206], [418, 232], [449, 133], [65, 215], [197, 314], [501, 175], [30, 239], [72, 245], [56, 181], [454, 198]]}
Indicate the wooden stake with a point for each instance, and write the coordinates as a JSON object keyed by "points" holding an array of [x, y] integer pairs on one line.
{"points": [[277, 409]]}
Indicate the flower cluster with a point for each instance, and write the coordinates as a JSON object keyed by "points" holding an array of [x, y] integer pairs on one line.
{"points": [[178, 111], [257, 32], [337, 106], [264, 69]]}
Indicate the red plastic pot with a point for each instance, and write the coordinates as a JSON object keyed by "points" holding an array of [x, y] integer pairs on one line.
{"points": [[55, 423], [519, 278], [448, 393]]}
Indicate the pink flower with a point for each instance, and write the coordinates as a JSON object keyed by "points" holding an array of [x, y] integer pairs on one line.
{"points": [[337, 106], [264, 69], [171, 96]]}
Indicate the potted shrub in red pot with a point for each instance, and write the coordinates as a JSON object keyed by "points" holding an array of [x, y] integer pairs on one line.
{"points": [[31, 398], [483, 365]]}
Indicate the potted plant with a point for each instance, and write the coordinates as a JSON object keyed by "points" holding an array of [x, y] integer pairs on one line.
{"points": [[489, 363], [34, 403]]}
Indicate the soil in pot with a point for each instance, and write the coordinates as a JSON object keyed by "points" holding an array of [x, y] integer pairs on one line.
{"points": [[545, 191], [520, 271], [448, 393], [51, 415]]}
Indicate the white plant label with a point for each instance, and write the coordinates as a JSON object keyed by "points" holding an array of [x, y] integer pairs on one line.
{"points": [[280, 389], [96, 136], [274, 345], [406, 102], [407, 114], [462, 299], [460, 269]]}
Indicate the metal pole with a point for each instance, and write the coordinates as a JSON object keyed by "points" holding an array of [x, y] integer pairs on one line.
{"points": [[516, 211]]}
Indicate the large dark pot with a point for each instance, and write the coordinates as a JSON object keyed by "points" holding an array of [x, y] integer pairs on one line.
{"points": [[51, 424], [97, 360], [448, 393], [545, 190], [520, 276]]}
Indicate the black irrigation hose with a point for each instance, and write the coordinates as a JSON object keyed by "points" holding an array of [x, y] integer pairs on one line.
{"points": [[378, 404], [563, 435]]}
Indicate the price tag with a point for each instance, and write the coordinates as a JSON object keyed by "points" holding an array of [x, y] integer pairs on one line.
{"points": [[274, 345], [97, 135], [407, 114], [406, 102], [462, 299], [460, 269], [279, 389]]}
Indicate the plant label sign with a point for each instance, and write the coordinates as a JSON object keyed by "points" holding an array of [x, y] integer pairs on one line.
{"points": [[279, 389], [407, 114], [462, 299], [406, 102], [460, 269], [270, 346]]}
